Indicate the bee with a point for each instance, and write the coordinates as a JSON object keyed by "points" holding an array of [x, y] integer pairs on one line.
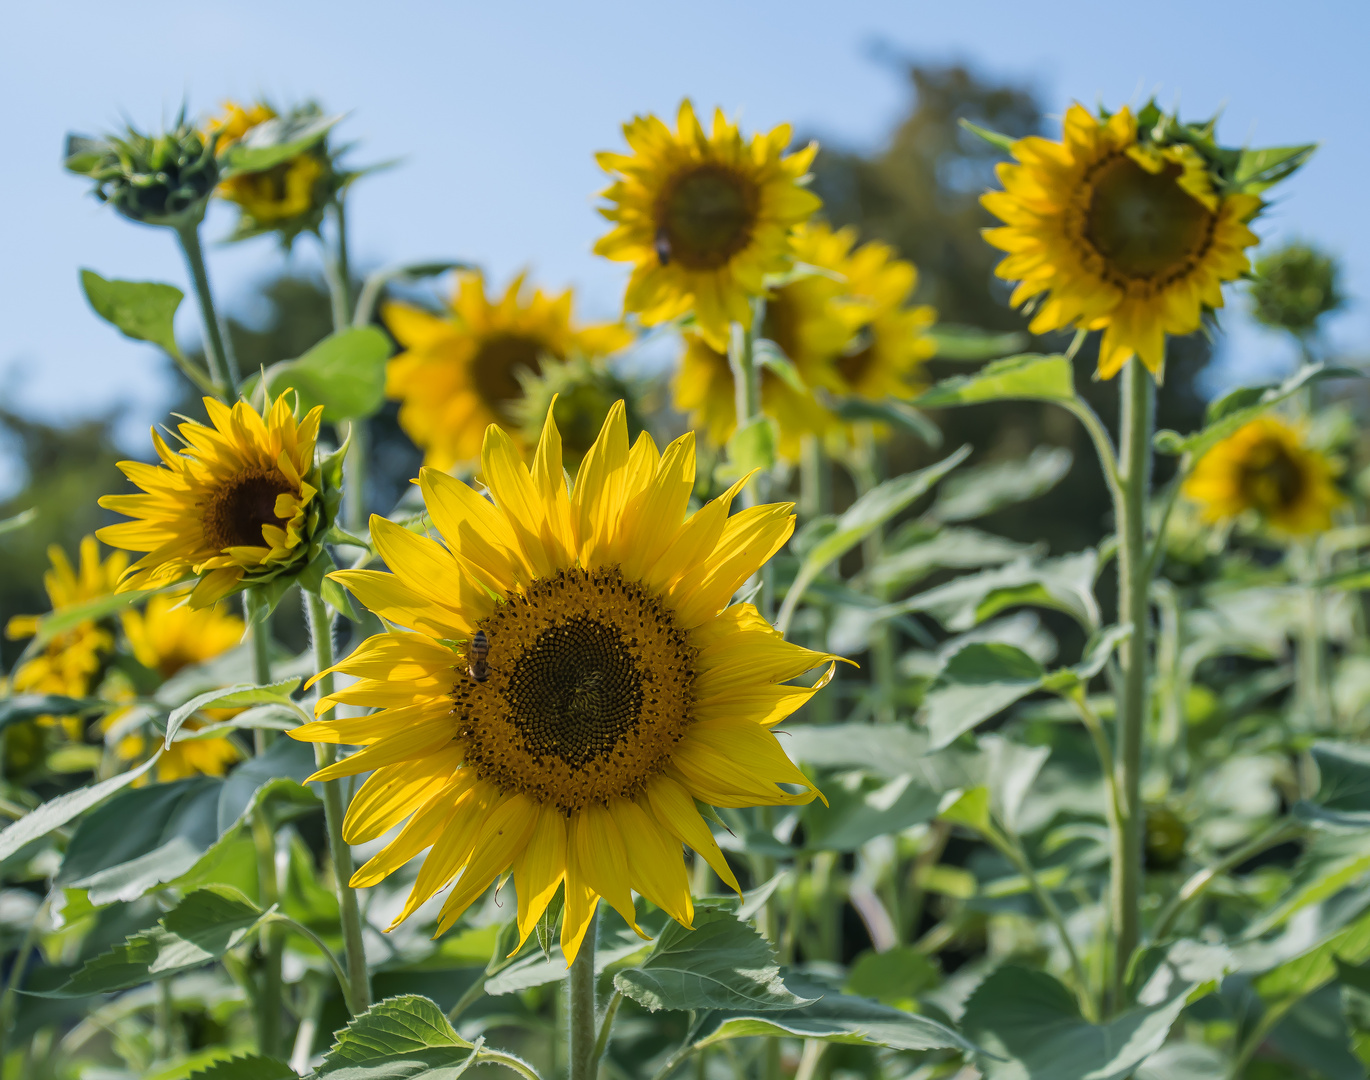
{"points": [[663, 247], [479, 650]]}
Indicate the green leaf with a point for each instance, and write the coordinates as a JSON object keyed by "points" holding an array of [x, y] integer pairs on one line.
{"points": [[1033, 1026], [949, 549], [142, 310], [1065, 583], [888, 411], [831, 1017], [345, 373], [55, 813], [752, 446], [969, 808], [261, 718], [252, 1067], [201, 928], [771, 356], [1343, 797], [231, 697], [1318, 966], [720, 964], [860, 809], [978, 681], [275, 141], [68, 618], [23, 707], [978, 491], [971, 344], [1260, 169], [18, 521], [994, 138], [1029, 377], [405, 1037], [893, 977]]}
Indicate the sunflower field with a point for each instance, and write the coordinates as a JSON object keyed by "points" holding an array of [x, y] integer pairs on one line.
{"points": [[703, 719]]}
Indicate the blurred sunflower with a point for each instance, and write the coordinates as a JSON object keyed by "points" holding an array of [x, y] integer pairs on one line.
{"points": [[167, 636], [239, 503], [460, 373], [618, 686], [69, 663], [702, 218], [1265, 466], [1111, 233], [294, 189]]}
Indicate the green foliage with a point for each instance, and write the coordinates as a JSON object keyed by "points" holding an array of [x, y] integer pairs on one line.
{"points": [[1026, 378], [59, 811], [345, 373], [406, 1036], [142, 310]]}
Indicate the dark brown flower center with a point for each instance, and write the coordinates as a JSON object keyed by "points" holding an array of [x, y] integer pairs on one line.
{"points": [[496, 365], [237, 511], [705, 216], [1270, 479], [1144, 224]]}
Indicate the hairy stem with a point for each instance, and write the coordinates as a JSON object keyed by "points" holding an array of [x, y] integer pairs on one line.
{"points": [[223, 365], [584, 1036], [271, 996]]}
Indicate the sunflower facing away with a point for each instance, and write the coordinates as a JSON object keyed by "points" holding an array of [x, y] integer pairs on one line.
{"points": [[281, 193], [238, 504], [460, 373], [702, 218], [618, 687], [1111, 233], [1266, 467], [165, 637], [69, 662]]}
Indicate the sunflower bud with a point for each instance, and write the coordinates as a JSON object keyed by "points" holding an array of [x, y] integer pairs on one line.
{"points": [[1166, 836], [164, 179], [583, 391], [1296, 286]]}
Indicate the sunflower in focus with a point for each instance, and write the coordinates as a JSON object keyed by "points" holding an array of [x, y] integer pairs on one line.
{"points": [[1109, 232], [702, 218], [459, 373], [1265, 466], [69, 663], [285, 192], [167, 636], [571, 679], [239, 504]]}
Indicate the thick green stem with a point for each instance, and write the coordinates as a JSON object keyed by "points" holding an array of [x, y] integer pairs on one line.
{"points": [[746, 384], [584, 1035], [271, 994], [340, 854], [259, 639], [338, 273], [354, 476], [223, 365], [1138, 420]]}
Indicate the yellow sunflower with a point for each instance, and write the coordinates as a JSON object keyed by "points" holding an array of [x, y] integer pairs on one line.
{"points": [[1117, 235], [70, 661], [702, 218], [238, 505], [277, 194], [1265, 466], [460, 373], [165, 637], [616, 685]]}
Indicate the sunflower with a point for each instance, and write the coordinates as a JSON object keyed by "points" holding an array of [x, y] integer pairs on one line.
{"points": [[167, 636], [68, 664], [460, 373], [281, 193], [1265, 466], [702, 218], [238, 505], [1115, 234], [571, 680]]}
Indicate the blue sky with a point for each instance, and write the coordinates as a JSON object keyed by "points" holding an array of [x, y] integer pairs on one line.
{"points": [[497, 108]]}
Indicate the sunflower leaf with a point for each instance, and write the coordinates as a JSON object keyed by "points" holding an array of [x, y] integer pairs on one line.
{"points": [[252, 1067], [979, 680], [1030, 377], [231, 697], [967, 343], [55, 813], [407, 1036], [721, 964], [983, 489], [141, 310], [275, 141], [345, 373], [994, 138], [1261, 169]]}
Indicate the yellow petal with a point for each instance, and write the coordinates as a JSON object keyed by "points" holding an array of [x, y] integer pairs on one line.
{"points": [[672, 806], [393, 792], [655, 861], [503, 837], [601, 859], [396, 603], [540, 869]]}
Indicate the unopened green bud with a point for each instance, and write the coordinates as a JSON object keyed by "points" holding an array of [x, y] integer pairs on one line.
{"points": [[585, 391], [1295, 286]]}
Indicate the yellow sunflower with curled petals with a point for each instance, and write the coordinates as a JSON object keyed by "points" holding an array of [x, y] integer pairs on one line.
{"points": [[1266, 466], [239, 504], [165, 637], [570, 680], [458, 374], [69, 663], [702, 218], [1108, 232]]}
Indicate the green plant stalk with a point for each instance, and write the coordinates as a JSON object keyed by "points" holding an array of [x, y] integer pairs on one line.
{"points": [[468, 998], [1311, 669], [606, 1026], [338, 272], [746, 383], [1134, 579], [509, 1061], [581, 988], [340, 853], [223, 365], [286, 922], [882, 644], [271, 997], [259, 635]]}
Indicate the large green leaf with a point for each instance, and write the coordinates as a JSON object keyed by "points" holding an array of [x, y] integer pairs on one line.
{"points": [[1343, 797], [1028, 377], [860, 809], [1065, 583], [830, 1016], [1317, 966], [14, 710], [202, 927], [231, 697], [253, 1067], [1032, 1024], [720, 964], [614, 942], [406, 1037], [947, 549], [142, 310], [345, 373], [55, 813], [981, 490], [978, 681]]}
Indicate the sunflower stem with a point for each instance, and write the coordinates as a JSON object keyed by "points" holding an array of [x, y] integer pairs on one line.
{"points": [[746, 381], [259, 636], [270, 999], [584, 1036], [1134, 579], [223, 365], [340, 853], [882, 644]]}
